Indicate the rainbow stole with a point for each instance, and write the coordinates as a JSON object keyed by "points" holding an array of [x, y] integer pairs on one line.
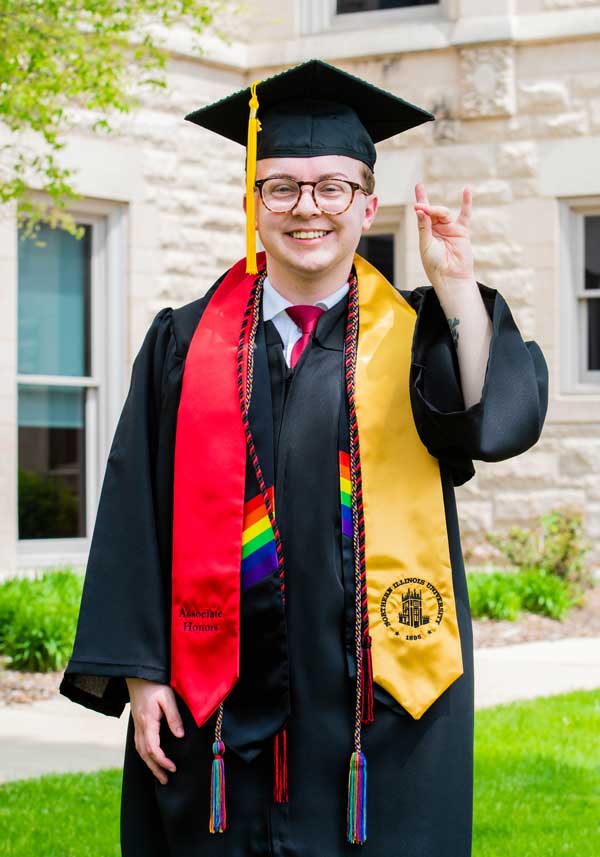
{"points": [[259, 552], [345, 493]]}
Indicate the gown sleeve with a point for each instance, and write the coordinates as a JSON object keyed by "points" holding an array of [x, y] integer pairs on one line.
{"points": [[122, 629], [509, 417]]}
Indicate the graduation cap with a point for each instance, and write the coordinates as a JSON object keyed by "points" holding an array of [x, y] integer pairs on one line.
{"points": [[309, 110]]}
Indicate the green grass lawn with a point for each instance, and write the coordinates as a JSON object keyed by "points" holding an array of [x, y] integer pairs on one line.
{"points": [[537, 778], [537, 791]]}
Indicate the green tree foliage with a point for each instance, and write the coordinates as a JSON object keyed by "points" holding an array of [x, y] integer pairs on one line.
{"points": [[56, 55]]}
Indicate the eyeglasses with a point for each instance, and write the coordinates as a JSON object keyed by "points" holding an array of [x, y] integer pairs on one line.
{"points": [[331, 196]]}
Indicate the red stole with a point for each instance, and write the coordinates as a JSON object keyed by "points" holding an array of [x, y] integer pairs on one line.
{"points": [[210, 461]]}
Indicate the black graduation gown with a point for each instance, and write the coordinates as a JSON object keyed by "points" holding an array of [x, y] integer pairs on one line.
{"points": [[419, 771]]}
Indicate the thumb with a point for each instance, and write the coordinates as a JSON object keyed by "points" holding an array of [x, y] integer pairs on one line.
{"points": [[169, 706]]}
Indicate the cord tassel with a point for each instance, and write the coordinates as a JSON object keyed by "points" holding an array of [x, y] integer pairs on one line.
{"points": [[356, 816], [280, 784], [366, 675], [356, 828], [218, 811], [251, 149]]}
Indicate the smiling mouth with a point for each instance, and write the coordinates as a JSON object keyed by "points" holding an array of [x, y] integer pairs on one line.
{"points": [[308, 234]]}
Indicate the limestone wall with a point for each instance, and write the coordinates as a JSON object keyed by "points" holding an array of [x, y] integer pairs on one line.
{"points": [[505, 111], [511, 119], [517, 101]]}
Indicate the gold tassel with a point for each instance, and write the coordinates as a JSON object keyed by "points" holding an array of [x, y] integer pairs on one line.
{"points": [[253, 129]]}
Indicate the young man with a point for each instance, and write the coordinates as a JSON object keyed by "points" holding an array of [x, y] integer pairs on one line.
{"points": [[276, 571]]}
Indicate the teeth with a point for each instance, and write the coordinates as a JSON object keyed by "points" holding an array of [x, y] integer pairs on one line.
{"points": [[307, 235]]}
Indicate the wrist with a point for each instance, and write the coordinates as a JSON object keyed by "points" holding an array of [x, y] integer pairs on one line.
{"points": [[133, 682], [455, 283]]}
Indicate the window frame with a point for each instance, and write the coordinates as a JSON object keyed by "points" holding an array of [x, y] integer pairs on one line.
{"points": [[389, 221], [105, 384], [317, 16], [575, 377]]}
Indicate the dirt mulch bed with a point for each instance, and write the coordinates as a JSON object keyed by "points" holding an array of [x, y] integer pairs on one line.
{"points": [[581, 621], [17, 687]]}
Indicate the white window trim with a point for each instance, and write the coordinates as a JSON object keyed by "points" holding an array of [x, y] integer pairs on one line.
{"points": [[318, 16], [574, 375], [105, 385]]}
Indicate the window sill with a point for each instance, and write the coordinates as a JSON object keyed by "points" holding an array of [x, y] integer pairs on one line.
{"points": [[387, 18], [574, 408], [52, 553]]}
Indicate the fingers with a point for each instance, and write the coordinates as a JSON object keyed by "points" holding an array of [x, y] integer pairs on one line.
{"points": [[420, 193], [147, 743], [153, 748], [439, 213], [148, 704], [169, 706], [156, 770], [466, 207], [425, 232]]}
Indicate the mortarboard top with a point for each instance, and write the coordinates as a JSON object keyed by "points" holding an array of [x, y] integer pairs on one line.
{"points": [[309, 110], [313, 109]]}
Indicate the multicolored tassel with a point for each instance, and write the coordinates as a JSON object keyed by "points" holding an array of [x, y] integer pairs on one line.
{"points": [[368, 700], [218, 811], [280, 780], [356, 826]]}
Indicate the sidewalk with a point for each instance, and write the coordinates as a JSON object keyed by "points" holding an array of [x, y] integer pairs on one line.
{"points": [[57, 736], [543, 668]]}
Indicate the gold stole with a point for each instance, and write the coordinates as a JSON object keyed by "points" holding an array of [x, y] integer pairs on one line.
{"points": [[412, 615]]}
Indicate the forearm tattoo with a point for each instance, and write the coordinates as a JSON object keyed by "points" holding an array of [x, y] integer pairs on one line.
{"points": [[454, 322]]}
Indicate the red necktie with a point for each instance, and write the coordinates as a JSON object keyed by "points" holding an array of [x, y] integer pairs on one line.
{"points": [[306, 318]]}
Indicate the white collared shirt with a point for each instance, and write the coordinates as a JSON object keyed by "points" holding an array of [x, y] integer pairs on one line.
{"points": [[274, 309]]}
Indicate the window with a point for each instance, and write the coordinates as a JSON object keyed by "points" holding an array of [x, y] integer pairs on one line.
{"points": [[344, 7], [71, 376], [54, 370], [379, 250], [320, 16], [591, 296], [580, 296], [383, 246]]}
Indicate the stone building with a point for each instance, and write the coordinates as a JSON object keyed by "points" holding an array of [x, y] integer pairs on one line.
{"points": [[515, 87]]}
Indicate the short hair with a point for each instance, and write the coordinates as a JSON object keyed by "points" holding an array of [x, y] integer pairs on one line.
{"points": [[368, 178]]}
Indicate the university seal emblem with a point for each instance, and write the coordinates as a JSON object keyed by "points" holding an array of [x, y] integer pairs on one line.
{"points": [[412, 608]]}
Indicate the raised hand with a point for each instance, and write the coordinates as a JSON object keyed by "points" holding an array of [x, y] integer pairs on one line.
{"points": [[444, 243]]}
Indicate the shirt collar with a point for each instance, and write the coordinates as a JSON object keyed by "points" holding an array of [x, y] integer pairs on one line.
{"points": [[274, 303]]}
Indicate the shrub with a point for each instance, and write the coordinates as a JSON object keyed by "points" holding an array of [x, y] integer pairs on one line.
{"points": [[543, 593], [38, 620], [494, 595], [504, 594], [556, 544], [10, 596]]}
